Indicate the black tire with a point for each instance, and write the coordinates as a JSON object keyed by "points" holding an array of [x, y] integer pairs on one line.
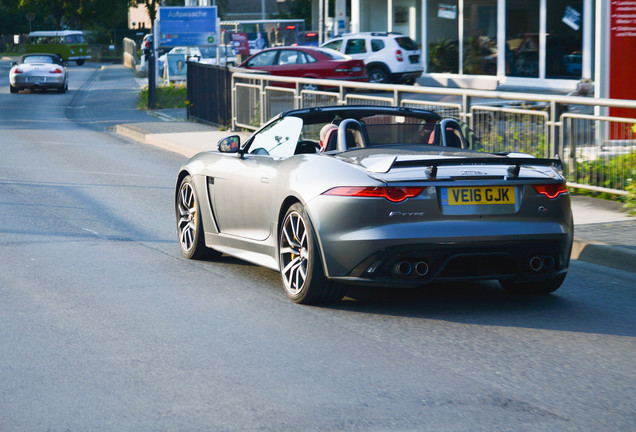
{"points": [[189, 225], [300, 264], [378, 75], [63, 88], [409, 81], [79, 62], [13, 89], [540, 287]]}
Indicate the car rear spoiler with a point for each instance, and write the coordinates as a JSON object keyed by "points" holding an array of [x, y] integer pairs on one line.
{"points": [[514, 163]]}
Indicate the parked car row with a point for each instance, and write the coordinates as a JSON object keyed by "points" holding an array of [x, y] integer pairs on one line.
{"points": [[378, 57], [375, 57]]}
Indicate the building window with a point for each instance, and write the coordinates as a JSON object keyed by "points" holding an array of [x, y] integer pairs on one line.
{"points": [[480, 37], [443, 36], [522, 38], [564, 39]]}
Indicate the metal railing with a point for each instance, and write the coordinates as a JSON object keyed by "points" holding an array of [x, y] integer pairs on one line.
{"points": [[598, 151]]}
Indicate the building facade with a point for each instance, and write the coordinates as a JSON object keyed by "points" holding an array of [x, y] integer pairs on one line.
{"points": [[488, 44]]}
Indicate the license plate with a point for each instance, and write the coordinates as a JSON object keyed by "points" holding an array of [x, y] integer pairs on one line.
{"points": [[36, 79], [452, 196]]}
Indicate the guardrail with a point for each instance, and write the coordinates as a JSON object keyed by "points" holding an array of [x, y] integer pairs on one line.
{"points": [[598, 151]]}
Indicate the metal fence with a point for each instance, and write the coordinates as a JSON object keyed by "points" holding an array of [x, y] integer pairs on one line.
{"points": [[598, 150], [209, 93]]}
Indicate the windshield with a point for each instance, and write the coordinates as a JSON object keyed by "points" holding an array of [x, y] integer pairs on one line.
{"points": [[39, 59]]}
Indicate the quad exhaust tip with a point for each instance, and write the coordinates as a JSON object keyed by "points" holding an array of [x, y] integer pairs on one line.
{"points": [[538, 263], [406, 268]]}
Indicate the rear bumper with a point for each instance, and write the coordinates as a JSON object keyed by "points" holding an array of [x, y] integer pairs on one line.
{"points": [[361, 241], [420, 264], [33, 83], [403, 76]]}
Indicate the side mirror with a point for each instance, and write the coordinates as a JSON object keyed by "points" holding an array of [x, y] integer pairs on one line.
{"points": [[14, 63], [230, 144]]}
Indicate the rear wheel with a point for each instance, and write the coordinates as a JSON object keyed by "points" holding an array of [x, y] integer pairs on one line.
{"points": [[540, 287], [13, 89], [79, 62], [63, 88], [378, 75], [189, 226], [300, 265]]}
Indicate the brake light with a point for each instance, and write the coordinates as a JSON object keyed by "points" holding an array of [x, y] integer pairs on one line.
{"points": [[17, 71], [345, 68], [551, 190], [56, 70], [398, 55], [391, 193]]}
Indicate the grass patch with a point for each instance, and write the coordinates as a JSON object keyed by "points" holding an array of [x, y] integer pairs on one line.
{"points": [[172, 96]]}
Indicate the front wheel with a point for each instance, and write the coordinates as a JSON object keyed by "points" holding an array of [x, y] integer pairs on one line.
{"points": [[189, 226], [311, 87], [540, 287], [300, 265]]}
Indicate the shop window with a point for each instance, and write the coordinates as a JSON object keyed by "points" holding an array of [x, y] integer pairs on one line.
{"points": [[522, 38], [442, 32], [480, 37], [564, 39]]}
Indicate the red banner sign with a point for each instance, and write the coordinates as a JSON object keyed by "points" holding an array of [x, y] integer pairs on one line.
{"points": [[622, 49], [240, 43]]}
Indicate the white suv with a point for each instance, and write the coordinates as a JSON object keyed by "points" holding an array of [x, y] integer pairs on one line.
{"points": [[389, 57]]}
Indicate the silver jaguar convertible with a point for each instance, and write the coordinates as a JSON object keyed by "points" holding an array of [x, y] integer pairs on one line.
{"points": [[383, 196]]}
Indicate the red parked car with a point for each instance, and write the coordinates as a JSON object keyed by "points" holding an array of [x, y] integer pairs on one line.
{"points": [[307, 62]]}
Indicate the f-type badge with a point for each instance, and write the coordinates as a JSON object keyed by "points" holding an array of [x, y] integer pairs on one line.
{"points": [[406, 214]]}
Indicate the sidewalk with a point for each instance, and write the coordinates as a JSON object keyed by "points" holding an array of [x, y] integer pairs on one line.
{"points": [[603, 233]]}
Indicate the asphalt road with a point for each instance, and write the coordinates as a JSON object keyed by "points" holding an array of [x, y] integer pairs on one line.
{"points": [[104, 326]]}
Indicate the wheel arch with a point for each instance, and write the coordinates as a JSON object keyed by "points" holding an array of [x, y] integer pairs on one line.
{"points": [[182, 174], [287, 203], [378, 65]]}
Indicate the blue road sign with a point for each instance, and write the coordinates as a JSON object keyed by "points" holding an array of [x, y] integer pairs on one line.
{"points": [[188, 26]]}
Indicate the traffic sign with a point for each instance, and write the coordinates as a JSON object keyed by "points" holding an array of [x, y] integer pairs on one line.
{"points": [[188, 26]]}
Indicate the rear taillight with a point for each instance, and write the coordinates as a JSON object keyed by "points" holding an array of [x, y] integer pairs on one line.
{"points": [[56, 70], [17, 71], [391, 193], [346, 68], [399, 56], [551, 190]]}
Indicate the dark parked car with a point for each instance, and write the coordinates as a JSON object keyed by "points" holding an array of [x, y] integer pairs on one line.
{"points": [[307, 62], [386, 196]]}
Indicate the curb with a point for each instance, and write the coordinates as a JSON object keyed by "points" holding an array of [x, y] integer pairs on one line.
{"points": [[131, 132], [617, 257]]}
